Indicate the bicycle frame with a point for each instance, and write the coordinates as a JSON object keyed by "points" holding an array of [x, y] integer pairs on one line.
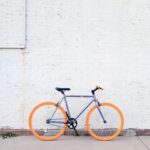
{"points": [[55, 119], [80, 113], [78, 96]]}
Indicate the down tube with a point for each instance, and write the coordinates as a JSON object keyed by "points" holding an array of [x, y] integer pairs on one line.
{"points": [[84, 109]]}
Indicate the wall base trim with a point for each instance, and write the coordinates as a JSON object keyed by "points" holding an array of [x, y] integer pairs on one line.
{"points": [[82, 132]]}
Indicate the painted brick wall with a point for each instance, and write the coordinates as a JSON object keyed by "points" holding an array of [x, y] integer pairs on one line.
{"points": [[79, 44], [12, 24]]}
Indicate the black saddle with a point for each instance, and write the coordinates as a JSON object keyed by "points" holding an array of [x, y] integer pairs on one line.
{"points": [[62, 89]]}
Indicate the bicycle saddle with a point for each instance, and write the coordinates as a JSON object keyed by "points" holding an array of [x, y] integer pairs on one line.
{"points": [[62, 89]]}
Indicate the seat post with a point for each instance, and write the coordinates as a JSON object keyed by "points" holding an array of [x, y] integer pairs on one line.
{"points": [[62, 92]]}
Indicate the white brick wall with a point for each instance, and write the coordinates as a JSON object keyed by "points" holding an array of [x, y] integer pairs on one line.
{"points": [[12, 23], [80, 44]]}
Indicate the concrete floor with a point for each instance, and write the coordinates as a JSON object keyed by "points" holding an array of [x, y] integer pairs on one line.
{"points": [[75, 143]]}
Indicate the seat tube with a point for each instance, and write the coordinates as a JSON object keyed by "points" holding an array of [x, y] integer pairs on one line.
{"points": [[68, 111]]}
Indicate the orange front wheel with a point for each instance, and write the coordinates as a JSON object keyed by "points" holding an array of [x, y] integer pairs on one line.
{"points": [[47, 121], [106, 126]]}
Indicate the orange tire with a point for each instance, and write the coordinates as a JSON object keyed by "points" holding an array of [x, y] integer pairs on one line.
{"points": [[33, 112], [119, 129]]}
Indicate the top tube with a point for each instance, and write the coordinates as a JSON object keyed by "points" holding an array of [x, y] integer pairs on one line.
{"points": [[85, 96]]}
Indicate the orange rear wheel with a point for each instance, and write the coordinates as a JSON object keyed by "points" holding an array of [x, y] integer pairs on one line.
{"points": [[46, 126], [108, 130]]}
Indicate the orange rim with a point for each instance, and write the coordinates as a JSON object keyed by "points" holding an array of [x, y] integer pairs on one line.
{"points": [[34, 132], [116, 133]]}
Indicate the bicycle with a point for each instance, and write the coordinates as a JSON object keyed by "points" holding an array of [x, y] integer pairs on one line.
{"points": [[104, 121]]}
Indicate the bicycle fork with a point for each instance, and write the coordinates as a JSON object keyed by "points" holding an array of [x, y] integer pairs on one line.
{"points": [[100, 112]]}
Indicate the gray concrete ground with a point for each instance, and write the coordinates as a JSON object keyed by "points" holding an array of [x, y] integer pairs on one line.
{"points": [[75, 143]]}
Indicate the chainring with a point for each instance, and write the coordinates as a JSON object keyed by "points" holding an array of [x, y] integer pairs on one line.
{"points": [[72, 122]]}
